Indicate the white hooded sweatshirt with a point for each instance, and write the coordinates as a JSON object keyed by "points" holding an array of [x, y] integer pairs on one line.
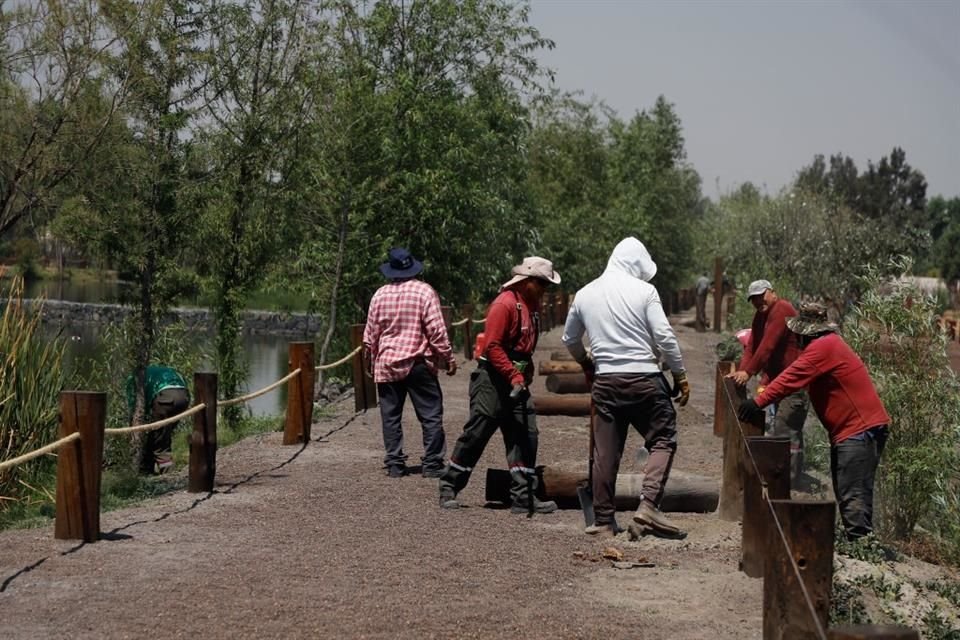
{"points": [[623, 317]]}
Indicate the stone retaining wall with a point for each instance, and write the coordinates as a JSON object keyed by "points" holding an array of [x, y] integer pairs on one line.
{"points": [[254, 322]]}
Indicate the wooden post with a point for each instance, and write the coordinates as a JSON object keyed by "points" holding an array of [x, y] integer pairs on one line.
{"points": [[717, 293], [78, 466], [364, 388], [873, 632], [546, 310], [734, 452], [563, 300], [723, 368], [731, 308], [808, 528], [447, 312], [772, 456], [203, 440], [296, 428], [468, 332]]}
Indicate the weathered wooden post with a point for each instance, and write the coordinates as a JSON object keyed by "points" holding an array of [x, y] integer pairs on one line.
{"points": [[447, 312], [203, 440], [723, 368], [78, 465], [873, 632], [734, 452], [296, 427], [563, 300], [364, 388], [717, 293], [558, 366], [467, 311], [772, 456], [808, 529], [731, 308]]}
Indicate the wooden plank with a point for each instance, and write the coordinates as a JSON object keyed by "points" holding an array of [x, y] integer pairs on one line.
{"points": [[723, 368], [299, 417], [734, 452], [808, 529], [79, 464], [772, 456], [203, 439]]}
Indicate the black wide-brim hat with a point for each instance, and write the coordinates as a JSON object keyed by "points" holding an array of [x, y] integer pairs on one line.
{"points": [[400, 264]]}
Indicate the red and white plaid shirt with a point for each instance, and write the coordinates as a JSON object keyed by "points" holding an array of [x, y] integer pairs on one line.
{"points": [[405, 323]]}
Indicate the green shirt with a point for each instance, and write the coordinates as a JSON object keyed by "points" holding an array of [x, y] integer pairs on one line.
{"points": [[156, 378]]}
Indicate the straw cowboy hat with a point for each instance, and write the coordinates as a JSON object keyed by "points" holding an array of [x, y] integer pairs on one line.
{"points": [[533, 267]]}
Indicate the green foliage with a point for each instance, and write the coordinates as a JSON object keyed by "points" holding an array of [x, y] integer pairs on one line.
{"points": [[868, 548], [846, 603], [729, 348], [894, 331], [31, 378], [26, 253]]}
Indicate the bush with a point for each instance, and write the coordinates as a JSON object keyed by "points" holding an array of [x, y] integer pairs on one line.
{"points": [[894, 331]]}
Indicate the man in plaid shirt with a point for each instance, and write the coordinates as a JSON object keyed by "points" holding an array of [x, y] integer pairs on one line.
{"points": [[406, 340]]}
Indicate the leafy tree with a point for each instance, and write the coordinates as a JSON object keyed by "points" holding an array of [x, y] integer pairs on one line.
{"points": [[57, 98], [258, 94]]}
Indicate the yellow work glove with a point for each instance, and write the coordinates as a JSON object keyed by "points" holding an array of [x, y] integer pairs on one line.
{"points": [[681, 388]]}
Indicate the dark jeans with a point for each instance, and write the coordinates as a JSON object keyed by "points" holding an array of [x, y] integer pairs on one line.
{"points": [[427, 399], [167, 403], [621, 400], [490, 409], [853, 465]]}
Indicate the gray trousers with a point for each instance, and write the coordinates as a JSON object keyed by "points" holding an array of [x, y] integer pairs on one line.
{"points": [[788, 421], [621, 400], [427, 399]]}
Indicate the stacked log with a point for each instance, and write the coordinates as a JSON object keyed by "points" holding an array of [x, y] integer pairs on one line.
{"points": [[567, 383]]}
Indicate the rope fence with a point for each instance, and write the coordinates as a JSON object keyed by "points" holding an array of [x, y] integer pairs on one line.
{"points": [[256, 394], [150, 426], [36, 453]]}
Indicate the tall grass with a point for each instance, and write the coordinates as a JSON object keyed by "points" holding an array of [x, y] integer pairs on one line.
{"points": [[31, 378]]}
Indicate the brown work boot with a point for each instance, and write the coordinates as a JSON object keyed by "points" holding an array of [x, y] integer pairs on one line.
{"points": [[652, 517], [601, 531]]}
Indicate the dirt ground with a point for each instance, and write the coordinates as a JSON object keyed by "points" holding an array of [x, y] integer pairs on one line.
{"points": [[316, 542]]}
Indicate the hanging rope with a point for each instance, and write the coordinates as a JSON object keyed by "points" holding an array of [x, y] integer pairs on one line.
{"points": [[50, 448], [341, 361], [155, 425]]}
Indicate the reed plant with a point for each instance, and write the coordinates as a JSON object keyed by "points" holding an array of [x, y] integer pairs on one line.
{"points": [[31, 378]]}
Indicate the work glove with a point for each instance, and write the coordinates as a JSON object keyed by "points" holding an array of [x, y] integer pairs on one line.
{"points": [[519, 393], [748, 409], [681, 388]]}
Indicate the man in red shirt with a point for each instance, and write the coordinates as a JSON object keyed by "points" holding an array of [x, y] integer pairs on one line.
{"points": [[498, 390], [770, 350], [847, 404], [406, 339]]}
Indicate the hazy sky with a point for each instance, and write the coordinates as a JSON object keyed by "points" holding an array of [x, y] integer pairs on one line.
{"points": [[761, 87]]}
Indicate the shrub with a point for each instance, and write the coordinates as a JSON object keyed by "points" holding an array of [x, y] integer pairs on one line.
{"points": [[894, 331]]}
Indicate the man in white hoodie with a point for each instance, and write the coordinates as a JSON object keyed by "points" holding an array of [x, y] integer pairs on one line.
{"points": [[628, 333]]}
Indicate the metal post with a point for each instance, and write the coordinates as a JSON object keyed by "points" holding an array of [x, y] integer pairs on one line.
{"points": [[78, 466]]}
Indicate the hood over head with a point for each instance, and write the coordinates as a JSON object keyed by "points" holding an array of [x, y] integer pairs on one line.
{"points": [[632, 257]]}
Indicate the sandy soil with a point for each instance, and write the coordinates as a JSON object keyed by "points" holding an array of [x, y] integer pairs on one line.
{"points": [[316, 542]]}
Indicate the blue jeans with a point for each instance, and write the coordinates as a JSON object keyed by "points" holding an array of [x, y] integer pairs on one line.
{"points": [[853, 465]]}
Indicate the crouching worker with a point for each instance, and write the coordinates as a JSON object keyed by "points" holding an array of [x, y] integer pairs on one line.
{"points": [[622, 315], [165, 395], [499, 395], [848, 406]]}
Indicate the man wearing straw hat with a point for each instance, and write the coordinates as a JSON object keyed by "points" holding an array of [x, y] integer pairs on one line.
{"points": [[847, 403], [406, 340], [498, 391]]}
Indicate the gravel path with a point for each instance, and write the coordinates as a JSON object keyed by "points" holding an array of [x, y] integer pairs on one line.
{"points": [[316, 542]]}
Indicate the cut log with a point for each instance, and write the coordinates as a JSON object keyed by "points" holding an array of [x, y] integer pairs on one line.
{"points": [[569, 405], [567, 383], [558, 366], [685, 492], [563, 354]]}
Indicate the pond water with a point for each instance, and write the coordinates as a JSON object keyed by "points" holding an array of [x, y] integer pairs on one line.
{"points": [[266, 355]]}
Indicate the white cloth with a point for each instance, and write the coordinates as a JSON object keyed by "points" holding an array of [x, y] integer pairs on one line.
{"points": [[622, 315]]}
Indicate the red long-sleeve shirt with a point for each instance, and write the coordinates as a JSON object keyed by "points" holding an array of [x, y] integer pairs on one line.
{"points": [[506, 330], [772, 346], [840, 388]]}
